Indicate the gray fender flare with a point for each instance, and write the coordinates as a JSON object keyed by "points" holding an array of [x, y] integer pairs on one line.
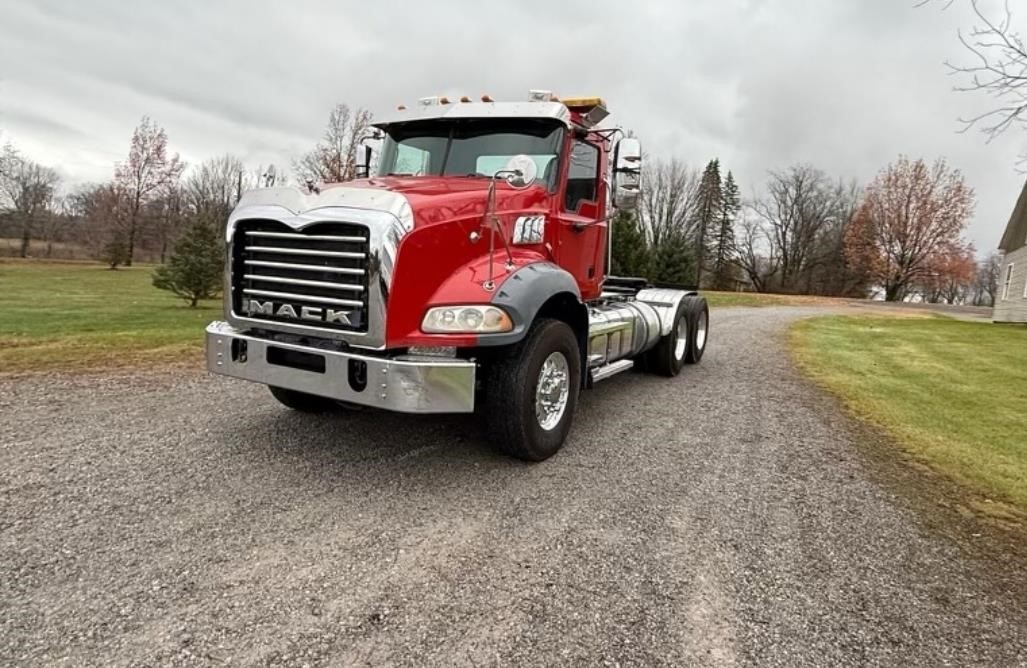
{"points": [[524, 293]]}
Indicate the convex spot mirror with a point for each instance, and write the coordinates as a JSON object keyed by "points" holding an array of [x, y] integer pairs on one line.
{"points": [[520, 171]]}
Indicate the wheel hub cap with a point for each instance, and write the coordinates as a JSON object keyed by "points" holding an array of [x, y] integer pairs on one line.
{"points": [[552, 390], [682, 340], [700, 334]]}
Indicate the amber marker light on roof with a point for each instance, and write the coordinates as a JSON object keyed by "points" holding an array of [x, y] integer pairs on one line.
{"points": [[464, 98], [443, 100], [487, 98]]}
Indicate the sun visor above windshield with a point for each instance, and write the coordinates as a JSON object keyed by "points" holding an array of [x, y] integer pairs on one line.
{"points": [[498, 110]]}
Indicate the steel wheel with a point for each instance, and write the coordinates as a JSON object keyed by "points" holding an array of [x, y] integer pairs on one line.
{"points": [[552, 390], [681, 344], [700, 330]]}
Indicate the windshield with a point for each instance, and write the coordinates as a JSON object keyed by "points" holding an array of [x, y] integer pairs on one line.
{"points": [[474, 147]]}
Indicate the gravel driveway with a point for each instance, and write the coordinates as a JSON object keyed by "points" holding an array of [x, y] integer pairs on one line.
{"points": [[726, 517]]}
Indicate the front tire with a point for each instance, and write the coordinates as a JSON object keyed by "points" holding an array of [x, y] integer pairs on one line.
{"points": [[301, 401], [531, 394]]}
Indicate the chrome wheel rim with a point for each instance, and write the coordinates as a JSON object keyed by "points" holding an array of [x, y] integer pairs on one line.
{"points": [[681, 344], [700, 331], [552, 390]]}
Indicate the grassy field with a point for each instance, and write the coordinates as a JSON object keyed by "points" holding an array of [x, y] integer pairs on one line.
{"points": [[724, 299], [76, 315], [953, 393]]}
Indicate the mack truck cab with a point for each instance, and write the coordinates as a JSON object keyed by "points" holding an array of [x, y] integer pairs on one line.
{"points": [[469, 273]]}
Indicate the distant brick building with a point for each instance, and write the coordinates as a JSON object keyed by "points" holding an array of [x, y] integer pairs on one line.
{"points": [[1011, 300]]}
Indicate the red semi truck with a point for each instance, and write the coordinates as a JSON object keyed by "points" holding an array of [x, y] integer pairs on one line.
{"points": [[470, 273]]}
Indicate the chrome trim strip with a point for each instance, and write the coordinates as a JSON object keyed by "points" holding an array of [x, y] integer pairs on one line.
{"points": [[299, 281], [423, 385], [349, 271], [302, 298], [305, 251], [305, 237]]}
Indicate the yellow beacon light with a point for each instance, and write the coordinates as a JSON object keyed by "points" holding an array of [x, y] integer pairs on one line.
{"points": [[585, 102]]}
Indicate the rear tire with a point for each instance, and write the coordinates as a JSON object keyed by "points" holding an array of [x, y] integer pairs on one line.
{"points": [[698, 313], [301, 401], [668, 356], [531, 394]]}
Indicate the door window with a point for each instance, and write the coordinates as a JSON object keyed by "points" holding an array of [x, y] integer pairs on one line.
{"points": [[582, 176]]}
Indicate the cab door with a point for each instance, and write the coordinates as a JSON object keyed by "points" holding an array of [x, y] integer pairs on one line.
{"points": [[581, 239]]}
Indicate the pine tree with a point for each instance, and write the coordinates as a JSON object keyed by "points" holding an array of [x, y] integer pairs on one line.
{"points": [[722, 277], [674, 261], [194, 270], [115, 251], [705, 219], [631, 255]]}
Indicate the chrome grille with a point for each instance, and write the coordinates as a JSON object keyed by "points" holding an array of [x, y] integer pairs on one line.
{"points": [[316, 276]]}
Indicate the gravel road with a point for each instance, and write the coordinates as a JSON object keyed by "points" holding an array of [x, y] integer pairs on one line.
{"points": [[726, 517]]}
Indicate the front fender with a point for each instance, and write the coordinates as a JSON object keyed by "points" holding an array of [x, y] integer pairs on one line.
{"points": [[525, 292]]}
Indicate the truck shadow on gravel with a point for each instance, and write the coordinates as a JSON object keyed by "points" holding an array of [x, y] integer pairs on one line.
{"points": [[353, 437]]}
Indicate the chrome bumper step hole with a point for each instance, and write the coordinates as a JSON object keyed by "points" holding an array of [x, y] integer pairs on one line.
{"points": [[357, 375]]}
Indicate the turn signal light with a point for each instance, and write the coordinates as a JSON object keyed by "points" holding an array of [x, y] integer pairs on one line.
{"points": [[476, 319]]}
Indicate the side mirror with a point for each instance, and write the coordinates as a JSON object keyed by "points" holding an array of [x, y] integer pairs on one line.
{"points": [[363, 167], [627, 174], [520, 171]]}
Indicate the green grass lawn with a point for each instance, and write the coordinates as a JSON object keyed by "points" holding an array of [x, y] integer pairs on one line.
{"points": [[78, 315], [67, 315], [953, 393], [723, 299]]}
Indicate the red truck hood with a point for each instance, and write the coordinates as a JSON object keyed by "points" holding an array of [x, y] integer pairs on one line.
{"points": [[436, 199]]}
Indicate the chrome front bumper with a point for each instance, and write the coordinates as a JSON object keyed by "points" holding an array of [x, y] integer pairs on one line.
{"points": [[403, 384]]}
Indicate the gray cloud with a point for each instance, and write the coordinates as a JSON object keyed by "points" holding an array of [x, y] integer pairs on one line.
{"points": [[846, 86]]}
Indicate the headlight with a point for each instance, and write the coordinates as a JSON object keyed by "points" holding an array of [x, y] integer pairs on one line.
{"points": [[466, 320]]}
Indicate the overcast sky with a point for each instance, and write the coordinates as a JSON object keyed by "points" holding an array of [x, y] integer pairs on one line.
{"points": [[846, 85]]}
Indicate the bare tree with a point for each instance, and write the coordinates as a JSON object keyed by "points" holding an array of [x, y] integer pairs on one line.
{"points": [[103, 211], [985, 286], [334, 158], [215, 187], [148, 169], [997, 68], [754, 252], [167, 212], [668, 201], [28, 190], [799, 204], [55, 223]]}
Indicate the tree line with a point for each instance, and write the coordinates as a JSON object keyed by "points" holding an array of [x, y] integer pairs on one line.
{"points": [[155, 207], [804, 232]]}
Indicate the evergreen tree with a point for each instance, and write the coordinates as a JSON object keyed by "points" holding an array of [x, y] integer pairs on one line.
{"points": [[630, 252], [706, 217], [722, 277], [194, 270], [115, 251], [674, 261]]}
